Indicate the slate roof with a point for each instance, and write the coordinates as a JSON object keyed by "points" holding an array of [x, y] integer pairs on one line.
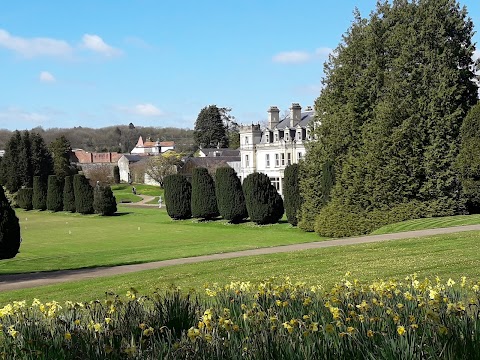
{"points": [[210, 152], [306, 117], [133, 158]]}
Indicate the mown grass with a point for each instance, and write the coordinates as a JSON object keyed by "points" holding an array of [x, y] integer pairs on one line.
{"points": [[451, 255], [429, 223], [53, 241]]}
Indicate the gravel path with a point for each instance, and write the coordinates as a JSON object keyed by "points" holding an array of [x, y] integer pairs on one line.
{"points": [[21, 281]]}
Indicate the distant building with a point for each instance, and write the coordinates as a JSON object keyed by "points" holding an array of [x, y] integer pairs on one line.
{"points": [[152, 148], [124, 167], [281, 143]]}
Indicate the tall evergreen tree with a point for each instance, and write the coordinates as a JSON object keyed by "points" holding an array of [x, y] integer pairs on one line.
{"points": [[264, 203], [68, 195], [61, 149], [395, 94], [291, 193], [116, 174], [24, 198], [9, 229], [41, 158], [229, 193], [468, 161], [10, 171], [210, 130], [204, 201], [39, 199], [104, 202], [83, 192], [24, 162], [178, 196], [54, 193]]}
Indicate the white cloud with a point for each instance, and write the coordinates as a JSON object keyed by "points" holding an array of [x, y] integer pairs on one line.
{"points": [[292, 57], [148, 110], [14, 115], [46, 77], [33, 47], [96, 44], [301, 57]]}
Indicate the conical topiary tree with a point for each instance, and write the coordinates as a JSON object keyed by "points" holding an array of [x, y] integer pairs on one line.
{"points": [[230, 197], [54, 193], [9, 229], [104, 202], [264, 204], [116, 174], [39, 199], [83, 194], [178, 195], [24, 198], [291, 193], [204, 201], [68, 195]]}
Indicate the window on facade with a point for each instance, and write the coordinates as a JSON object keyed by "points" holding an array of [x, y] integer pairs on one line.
{"points": [[275, 182], [246, 140], [247, 163], [286, 135], [267, 160], [300, 156], [277, 160], [289, 158], [276, 137], [267, 138], [299, 135], [308, 135], [282, 156]]}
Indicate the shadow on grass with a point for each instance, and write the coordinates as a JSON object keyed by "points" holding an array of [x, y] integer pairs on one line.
{"points": [[121, 213]]}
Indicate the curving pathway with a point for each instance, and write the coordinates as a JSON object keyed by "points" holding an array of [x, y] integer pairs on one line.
{"points": [[21, 281]]}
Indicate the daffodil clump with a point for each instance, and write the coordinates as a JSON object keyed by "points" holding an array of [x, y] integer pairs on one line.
{"points": [[413, 318]]}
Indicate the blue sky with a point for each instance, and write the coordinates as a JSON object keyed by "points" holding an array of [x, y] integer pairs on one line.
{"points": [[157, 63]]}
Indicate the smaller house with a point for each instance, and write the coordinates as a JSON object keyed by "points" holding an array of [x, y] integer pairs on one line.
{"points": [[152, 148], [124, 166]]}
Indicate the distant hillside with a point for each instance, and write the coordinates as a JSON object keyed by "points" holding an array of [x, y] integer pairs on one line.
{"points": [[121, 138]]}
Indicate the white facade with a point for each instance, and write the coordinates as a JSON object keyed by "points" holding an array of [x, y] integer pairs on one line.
{"points": [[270, 150], [152, 148]]}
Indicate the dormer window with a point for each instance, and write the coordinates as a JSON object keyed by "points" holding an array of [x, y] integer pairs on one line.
{"points": [[299, 135], [309, 137], [267, 138], [286, 135], [276, 136]]}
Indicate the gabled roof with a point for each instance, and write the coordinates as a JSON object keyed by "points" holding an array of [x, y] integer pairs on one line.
{"points": [[133, 158], [210, 152], [167, 143]]}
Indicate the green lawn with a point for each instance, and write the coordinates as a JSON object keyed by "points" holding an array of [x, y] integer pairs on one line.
{"points": [[451, 255], [54, 241], [429, 223], [123, 192]]}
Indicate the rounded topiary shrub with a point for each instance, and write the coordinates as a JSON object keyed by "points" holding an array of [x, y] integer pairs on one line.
{"points": [[54, 193], [178, 195], [291, 193], [83, 194], [264, 203], [204, 201], [39, 198], [9, 229], [24, 198], [104, 202], [68, 195], [230, 197]]}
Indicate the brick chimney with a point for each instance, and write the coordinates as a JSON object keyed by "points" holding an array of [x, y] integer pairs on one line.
{"points": [[295, 114], [273, 117]]}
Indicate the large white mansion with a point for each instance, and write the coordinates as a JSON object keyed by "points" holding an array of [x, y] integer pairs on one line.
{"points": [[270, 150]]}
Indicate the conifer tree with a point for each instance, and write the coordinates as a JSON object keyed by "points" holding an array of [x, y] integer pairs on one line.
{"points": [[54, 194], [204, 201], [24, 198], [68, 195], [24, 162], [116, 174], [104, 202], [39, 199], [291, 193], [10, 171], [178, 196], [9, 229], [230, 198], [264, 204], [41, 158], [388, 117], [210, 131], [83, 194], [61, 148]]}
